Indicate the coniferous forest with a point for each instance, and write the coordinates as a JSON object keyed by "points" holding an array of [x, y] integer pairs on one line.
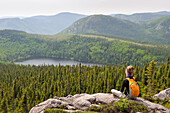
{"points": [[22, 87]]}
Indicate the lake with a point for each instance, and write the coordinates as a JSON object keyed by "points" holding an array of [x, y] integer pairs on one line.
{"points": [[50, 61]]}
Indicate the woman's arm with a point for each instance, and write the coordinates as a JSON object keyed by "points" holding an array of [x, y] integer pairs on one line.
{"points": [[125, 85]]}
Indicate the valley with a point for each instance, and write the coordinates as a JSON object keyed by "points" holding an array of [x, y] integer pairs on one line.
{"points": [[85, 48], [78, 42]]}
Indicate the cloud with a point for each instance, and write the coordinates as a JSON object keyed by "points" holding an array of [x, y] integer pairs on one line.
{"points": [[48, 7]]}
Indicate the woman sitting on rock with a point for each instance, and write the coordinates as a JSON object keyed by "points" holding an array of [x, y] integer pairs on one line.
{"points": [[129, 84]]}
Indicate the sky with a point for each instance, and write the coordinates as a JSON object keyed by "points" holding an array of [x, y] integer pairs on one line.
{"points": [[29, 8]]}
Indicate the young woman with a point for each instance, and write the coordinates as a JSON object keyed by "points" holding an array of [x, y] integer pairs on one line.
{"points": [[129, 78], [129, 74]]}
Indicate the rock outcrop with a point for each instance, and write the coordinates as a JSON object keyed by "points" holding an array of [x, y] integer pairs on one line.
{"points": [[76, 102], [163, 94], [84, 101]]}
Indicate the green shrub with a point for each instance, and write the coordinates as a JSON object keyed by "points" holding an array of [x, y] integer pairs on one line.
{"points": [[108, 109], [95, 108], [165, 102], [167, 105], [128, 106], [62, 111], [84, 112], [121, 106], [63, 106]]}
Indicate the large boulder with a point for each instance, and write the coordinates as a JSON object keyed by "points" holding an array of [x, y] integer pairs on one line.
{"points": [[76, 102], [163, 94], [48, 104], [84, 101], [103, 98]]}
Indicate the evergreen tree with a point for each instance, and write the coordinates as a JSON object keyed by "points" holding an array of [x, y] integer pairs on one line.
{"points": [[3, 106], [150, 73], [23, 104], [22, 90]]}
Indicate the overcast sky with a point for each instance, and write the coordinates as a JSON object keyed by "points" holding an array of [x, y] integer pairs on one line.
{"points": [[88, 7]]}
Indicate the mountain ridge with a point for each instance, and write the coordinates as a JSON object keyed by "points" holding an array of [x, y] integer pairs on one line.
{"points": [[53, 24], [111, 26], [41, 24], [142, 17]]}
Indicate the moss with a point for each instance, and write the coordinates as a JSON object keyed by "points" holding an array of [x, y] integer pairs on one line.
{"points": [[167, 105], [95, 108], [165, 102], [62, 111], [84, 112], [129, 106], [108, 109], [55, 111], [63, 106], [121, 106]]}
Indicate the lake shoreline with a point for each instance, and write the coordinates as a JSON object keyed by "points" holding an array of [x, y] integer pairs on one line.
{"points": [[23, 59]]}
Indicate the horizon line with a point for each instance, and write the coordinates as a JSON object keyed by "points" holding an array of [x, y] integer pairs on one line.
{"points": [[22, 17]]}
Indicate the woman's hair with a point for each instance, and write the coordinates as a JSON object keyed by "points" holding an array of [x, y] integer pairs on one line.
{"points": [[129, 70]]}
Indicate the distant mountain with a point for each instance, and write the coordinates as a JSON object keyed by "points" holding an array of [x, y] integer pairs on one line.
{"points": [[111, 26], [160, 27], [106, 25], [54, 24], [142, 17], [41, 24], [14, 23], [163, 13]]}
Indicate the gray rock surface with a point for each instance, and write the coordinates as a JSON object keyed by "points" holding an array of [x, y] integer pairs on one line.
{"points": [[83, 101], [151, 105], [76, 102], [163, 94]]}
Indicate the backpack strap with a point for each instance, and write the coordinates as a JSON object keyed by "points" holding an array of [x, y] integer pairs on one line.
{"points": [[129, 78]]}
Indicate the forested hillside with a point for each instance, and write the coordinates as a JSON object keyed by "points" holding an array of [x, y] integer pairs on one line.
{"points": [[111, 26], [85, 48], [160, 27], [103, 25], [23, 87]]}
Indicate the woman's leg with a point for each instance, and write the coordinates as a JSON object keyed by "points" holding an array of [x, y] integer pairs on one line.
{"points": [[118, 93]]}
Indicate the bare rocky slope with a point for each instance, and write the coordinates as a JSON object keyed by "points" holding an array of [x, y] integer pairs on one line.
{"points": [[83, 101]]}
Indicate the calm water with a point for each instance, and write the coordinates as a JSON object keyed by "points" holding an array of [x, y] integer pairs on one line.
{"points": [[50, 61]]}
